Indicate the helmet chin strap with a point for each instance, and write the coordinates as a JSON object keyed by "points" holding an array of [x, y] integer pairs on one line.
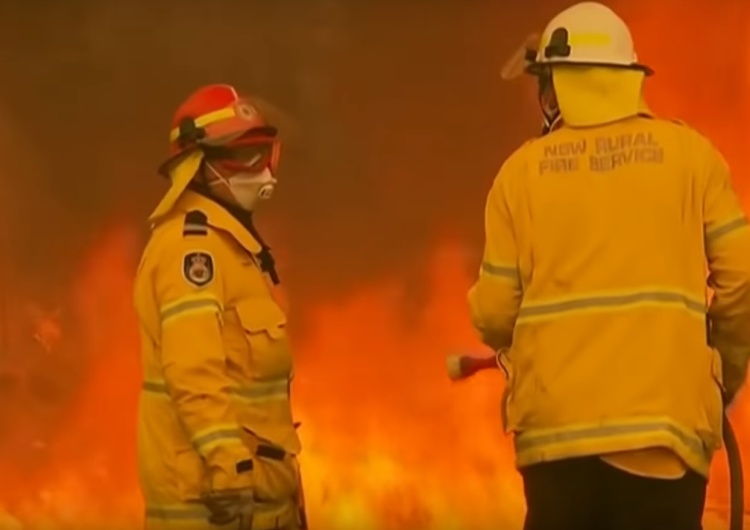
{"points": [[547, 101], [220, 179], [549, 120]]}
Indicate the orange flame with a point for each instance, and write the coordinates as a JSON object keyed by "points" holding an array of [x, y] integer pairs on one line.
{"points": [[389, 441], [47, 328]]}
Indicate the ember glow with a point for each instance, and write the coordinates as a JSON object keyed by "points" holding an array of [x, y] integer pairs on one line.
{"points": [[389, 442]]}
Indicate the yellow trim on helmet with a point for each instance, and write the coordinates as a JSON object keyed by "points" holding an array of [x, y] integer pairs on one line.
{"points": [[206, 119], [584, 39], [589, 39]]}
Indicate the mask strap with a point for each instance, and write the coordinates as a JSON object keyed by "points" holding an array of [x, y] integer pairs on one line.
{"points": [[219, 176]]}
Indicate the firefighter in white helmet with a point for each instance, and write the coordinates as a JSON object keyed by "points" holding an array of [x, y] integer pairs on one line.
{"points": [[598, 236], [217, 444]]}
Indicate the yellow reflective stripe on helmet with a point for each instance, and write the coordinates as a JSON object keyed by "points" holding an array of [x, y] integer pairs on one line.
{"points": [[589, 39], [584, 39], [608, 302], [718, 231], [207, 439], [503, 271], [256, 392], [206, 119], [190, 306]]}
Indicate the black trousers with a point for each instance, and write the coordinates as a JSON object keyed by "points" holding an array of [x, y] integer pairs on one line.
{"points": [[588, 494]]}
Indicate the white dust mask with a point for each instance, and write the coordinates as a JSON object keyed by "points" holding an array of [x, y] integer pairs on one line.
{"points": [[247, 188]]}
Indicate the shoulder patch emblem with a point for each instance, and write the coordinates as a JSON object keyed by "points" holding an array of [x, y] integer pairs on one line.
{"points": [[198, 268]]}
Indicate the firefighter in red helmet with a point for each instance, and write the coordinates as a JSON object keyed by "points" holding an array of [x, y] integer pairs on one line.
{"points": [[217, 443]]}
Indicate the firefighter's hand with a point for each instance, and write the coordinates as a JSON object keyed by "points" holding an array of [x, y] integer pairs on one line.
{"points": [[227, 506]]}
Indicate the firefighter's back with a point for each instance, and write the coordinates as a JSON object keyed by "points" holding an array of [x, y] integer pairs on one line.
{"points": [[610, 349]]}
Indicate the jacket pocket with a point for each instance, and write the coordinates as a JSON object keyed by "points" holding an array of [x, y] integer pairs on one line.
{"points": [[276, 477], [264, 326], [276, 493], [276, 480], [262, 315]]}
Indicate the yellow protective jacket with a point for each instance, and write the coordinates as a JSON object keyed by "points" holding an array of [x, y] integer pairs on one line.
{"points": [[216, 371], [594, 277]]}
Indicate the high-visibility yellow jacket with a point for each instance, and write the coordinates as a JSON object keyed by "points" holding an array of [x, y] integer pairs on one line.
{"points": [[216, 364], [594, 275]]}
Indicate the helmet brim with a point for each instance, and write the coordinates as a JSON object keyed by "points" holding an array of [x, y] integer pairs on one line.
{"points": [[537, 68], [265, 132]]}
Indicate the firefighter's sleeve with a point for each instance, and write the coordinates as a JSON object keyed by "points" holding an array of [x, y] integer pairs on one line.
{"points": [[727, 243], [495, 298], [190, 291]]}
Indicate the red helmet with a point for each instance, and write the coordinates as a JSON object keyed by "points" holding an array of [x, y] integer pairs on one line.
{"points": [[215, 123], [215, 116]]}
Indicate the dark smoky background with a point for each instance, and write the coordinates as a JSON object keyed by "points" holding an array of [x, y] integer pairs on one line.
{"points": [[395, 121], [395, 116]]}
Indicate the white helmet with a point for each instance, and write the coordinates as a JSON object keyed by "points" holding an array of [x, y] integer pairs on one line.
{"points": [[588, 34]]}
